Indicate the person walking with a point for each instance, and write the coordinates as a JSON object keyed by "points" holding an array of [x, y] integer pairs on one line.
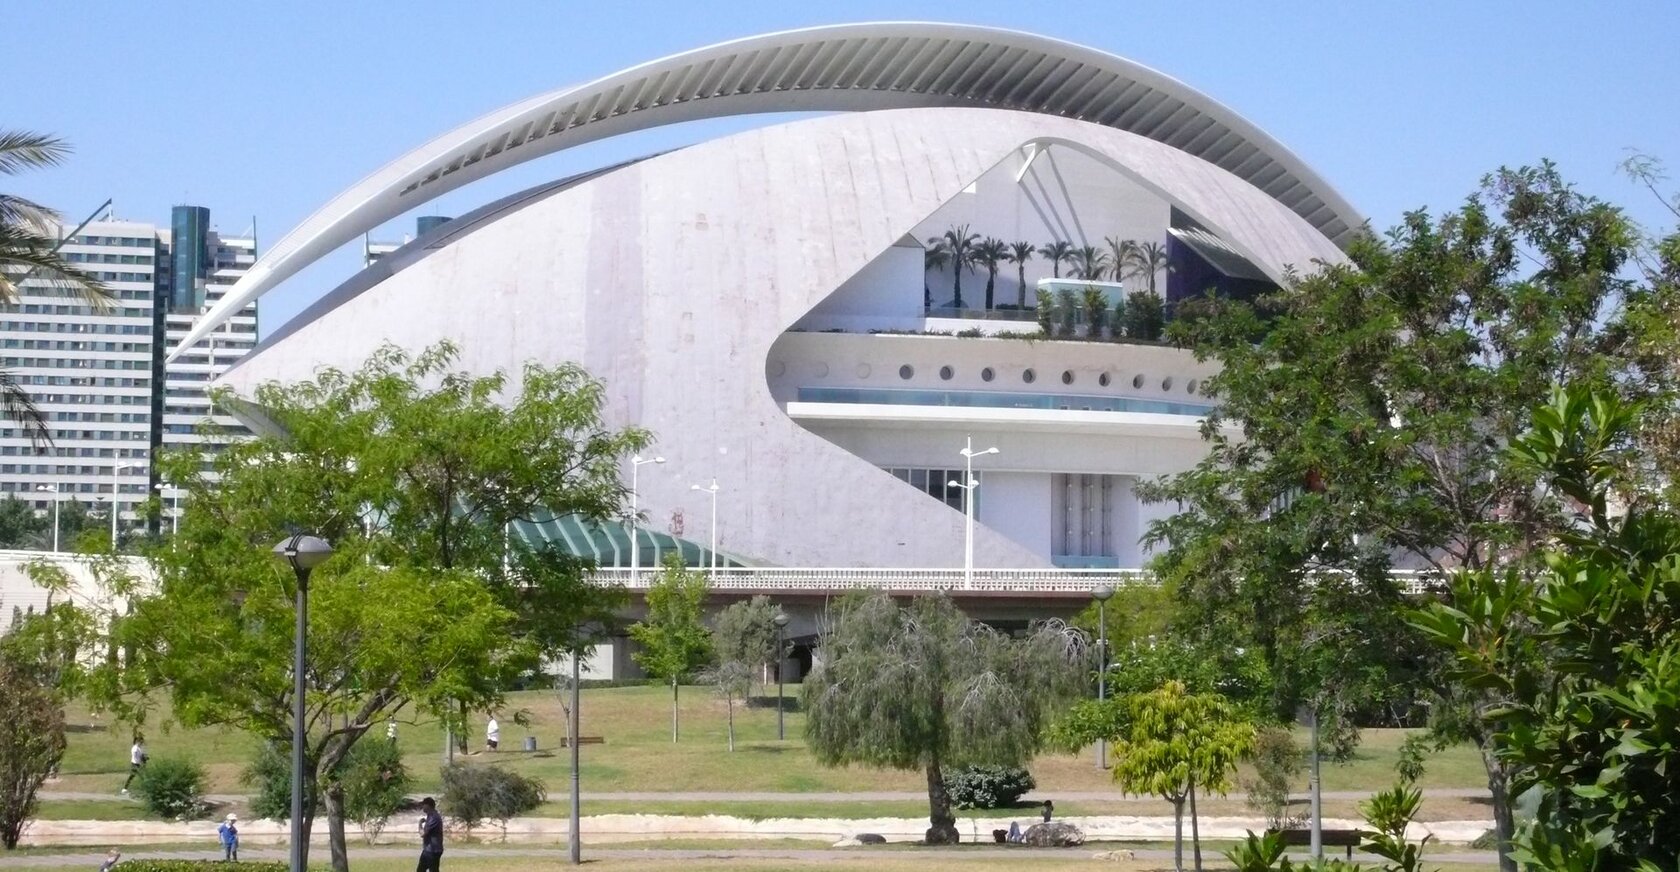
{"points": [[136, 760], [229, 832], [492, 734], [431, 837]]}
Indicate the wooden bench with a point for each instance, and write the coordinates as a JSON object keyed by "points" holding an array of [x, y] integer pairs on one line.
{"points": [[1348, 839], [584, 740]]}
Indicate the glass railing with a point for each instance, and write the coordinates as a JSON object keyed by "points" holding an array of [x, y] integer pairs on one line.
{"points": [[1010, 314], [998, 400]]}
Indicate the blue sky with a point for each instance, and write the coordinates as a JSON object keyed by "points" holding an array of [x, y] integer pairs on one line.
{"points": [[269, 109]]}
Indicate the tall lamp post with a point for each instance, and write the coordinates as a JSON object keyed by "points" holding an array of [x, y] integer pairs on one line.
{"points": [[969, 484], [116, 504], [713, 490], [303, 553], [635, 513], [174, 508], [1101, 595], [781, 622], [57, 499]]}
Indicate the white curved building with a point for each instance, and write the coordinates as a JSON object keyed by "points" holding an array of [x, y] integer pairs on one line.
{"points": [[762, 302]]}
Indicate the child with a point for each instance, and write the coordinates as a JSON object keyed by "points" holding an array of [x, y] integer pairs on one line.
{"points": [[229, 831]]}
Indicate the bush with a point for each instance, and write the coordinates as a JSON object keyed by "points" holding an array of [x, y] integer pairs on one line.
{"points": [[152, 865], [1277, 760], [31, 746], [988, 786], [270, 774], [1146, 316], [376, 784], [475, 794], [172, 788]]}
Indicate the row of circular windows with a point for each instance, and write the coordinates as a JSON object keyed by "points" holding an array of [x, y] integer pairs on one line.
{"points": [[1029, 375]]}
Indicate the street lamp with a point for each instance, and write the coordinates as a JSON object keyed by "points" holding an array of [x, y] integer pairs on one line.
{"points": [[1101, 595], [54, 490], [713, 490], [781, 622], [968, 486], [116, 504], [303, 553], [635, 512]]}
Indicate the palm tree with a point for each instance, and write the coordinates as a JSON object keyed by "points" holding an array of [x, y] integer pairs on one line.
{"points": [[934, 259], [988, 254], [28, 250], [1119, 256], [1148, 259], [1019, 253], [1090, 263], [1056, 252], [1096, 310], [959, 243]]}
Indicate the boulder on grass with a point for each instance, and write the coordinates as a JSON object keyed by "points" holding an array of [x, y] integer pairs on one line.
{"points": [[871, 839], [1054, 835]]}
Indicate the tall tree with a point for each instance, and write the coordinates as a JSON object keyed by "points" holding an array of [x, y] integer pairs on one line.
{"points": [[1147, 261], [20, 527], [1057, 252], [31, 745], [1168, 742], [29, 250], [1362, 419], [745, 633], [990, 252], [1090, 263], [1120, 255], [1019, 253], [732, 679], [959, 245], [934, 259], [673, 639], [923, 687]]}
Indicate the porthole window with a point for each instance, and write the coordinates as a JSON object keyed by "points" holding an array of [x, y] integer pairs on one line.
{"points": [[1029, 376], [1191, 387], [863, 370], [1137, 380], [945, 373], [777, 368], [820, 370], [987, 374], [1166, 383], [1067, 376], [1103, 380], [906, 371]]}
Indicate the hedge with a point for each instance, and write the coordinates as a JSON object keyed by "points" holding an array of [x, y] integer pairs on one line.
{"points": [[149, 865]]}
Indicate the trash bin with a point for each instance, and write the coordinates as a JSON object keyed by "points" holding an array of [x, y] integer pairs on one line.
{"points": [[530, 743]]}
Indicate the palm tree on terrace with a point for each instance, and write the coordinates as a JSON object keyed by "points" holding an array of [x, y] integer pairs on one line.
{"points": [[1090, 263], [1056, 252], [1148, 259], [28, 250], [1119, 256], [959, 243], [934, 258], [1019, 253], [987, 255]]}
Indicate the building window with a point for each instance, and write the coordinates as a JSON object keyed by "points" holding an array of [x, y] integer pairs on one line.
{"points": [[1103, 380], [906, 371], [1082, 521], [1137, 380], [945, 373], [1067, 376], [1166, 383], [987, 374], [1029, 376], [935, 483]]}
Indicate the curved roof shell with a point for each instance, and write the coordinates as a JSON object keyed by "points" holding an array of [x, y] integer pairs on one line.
{"points": [[855, 67]]}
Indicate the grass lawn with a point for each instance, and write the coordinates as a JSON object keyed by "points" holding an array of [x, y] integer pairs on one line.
{"points": [[639, 756]]}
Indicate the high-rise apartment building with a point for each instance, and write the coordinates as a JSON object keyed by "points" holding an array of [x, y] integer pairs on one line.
{"points": [[98, 375]]}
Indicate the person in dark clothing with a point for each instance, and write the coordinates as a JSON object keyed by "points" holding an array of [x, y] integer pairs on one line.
{"points": [[431, 837], [1048, 808]]}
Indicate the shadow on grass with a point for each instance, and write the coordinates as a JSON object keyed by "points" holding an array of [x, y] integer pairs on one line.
{"points": [[789, 703]]}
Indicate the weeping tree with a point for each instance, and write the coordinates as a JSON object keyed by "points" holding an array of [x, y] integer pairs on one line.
{"points": [[923, 687]]}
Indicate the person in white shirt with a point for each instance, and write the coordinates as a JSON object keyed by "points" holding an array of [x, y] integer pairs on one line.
{"points": [[492, 734], [136, 759]]}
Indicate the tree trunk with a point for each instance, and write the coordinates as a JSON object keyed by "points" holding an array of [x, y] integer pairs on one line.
{"points": [[308, 826], [1178, 833], [943, 829], [1195, 829], [1021, 295], [1504, 823], [461, 742], [731, 704], [991, 279], [334, 796], [956, 285], [673, 709]]}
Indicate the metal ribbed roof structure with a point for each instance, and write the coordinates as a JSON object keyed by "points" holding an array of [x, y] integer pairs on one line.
{"points": [[856, 67]]}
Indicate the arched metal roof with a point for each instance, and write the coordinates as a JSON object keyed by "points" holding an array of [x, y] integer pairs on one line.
{"points": [[853, 67]]}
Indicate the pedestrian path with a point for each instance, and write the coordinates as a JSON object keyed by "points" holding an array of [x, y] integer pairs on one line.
{"points": [[858, 796]]}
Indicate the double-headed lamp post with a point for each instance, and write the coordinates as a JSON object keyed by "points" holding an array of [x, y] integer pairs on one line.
{"points": [[635, 512], [54, 490], [1101, 595], [781, 622], [969, 484], [303, 553], [713, 490]]}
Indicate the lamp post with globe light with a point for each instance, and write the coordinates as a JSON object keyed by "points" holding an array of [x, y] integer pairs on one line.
{"points": [[54, 490], [781, 622], [302, 553], [1101, 595]]}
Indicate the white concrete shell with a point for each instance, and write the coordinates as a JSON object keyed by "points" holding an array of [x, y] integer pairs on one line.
{"points": [[672, 278], [844, 67]]}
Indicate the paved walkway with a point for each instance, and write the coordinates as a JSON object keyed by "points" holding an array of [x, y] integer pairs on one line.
{"points": [[767, 796], [971, 854]]}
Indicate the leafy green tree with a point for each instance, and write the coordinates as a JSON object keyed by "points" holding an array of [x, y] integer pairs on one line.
{"points": [[20, 527], [1581, 664], [1067, 313], [745, 633], [1019, 253], [1046, 312], [1057, 252], [988, 254], [28, 249], [673, 639], [732, 680], [412, 470], [1374, 403], [923, 687], [1170, 743], [376, 786], [31, 744], [1145, 316]]}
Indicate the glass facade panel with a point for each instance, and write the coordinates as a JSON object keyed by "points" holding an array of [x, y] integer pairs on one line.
{"points": [[998, 400]]}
